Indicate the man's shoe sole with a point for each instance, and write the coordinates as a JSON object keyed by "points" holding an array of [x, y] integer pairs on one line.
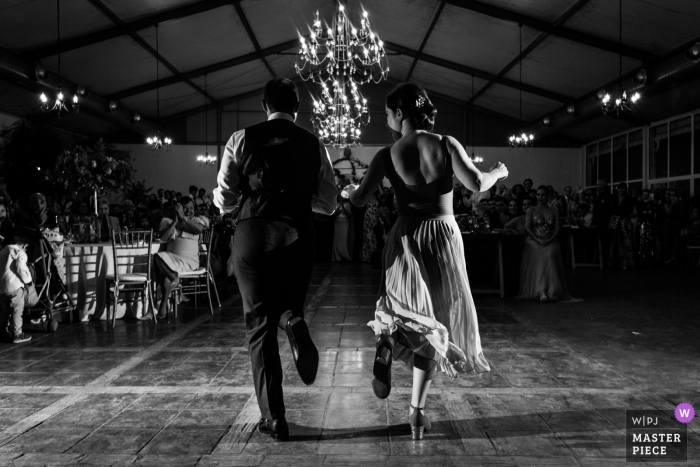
{"points": [[381, 383], [307, 363]]}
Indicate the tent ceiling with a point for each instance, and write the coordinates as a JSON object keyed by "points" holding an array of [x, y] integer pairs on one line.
{"points": [[108, 46]]}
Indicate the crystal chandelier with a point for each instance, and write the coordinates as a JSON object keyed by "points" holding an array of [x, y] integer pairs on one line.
{"points": [[621, 102], [60, 104], [205, 159], [157, 142], [342, 57], [523, 140], [475, 159]]}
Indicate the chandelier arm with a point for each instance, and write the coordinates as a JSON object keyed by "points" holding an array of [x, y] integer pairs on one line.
{"points": [[157, 76], [206, 118], [58, 34]]}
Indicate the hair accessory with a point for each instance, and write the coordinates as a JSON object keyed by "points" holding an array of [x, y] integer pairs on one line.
{"points": [[420, 101]]}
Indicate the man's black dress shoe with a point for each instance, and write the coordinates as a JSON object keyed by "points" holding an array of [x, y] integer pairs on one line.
{"points": [[303, 349], [381, 382], [277, 429]]}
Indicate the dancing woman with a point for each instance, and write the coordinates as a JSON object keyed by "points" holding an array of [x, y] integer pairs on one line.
{"points": [[425, 313]]}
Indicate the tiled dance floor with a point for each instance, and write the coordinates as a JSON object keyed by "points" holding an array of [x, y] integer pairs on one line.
{"points": [[180, 394]]}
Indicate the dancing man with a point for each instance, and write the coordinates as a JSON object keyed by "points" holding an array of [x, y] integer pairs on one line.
{"points": [[280, 173]]}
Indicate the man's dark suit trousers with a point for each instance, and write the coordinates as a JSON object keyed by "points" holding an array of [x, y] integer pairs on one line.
{"points": [[272, 264]]}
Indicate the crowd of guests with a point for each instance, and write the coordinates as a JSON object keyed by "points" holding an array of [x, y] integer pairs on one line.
{"points": [[639, 229]]}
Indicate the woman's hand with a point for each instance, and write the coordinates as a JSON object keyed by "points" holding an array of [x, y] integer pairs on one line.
{"points": [[348, 190], [502, 170], [180, 212]]}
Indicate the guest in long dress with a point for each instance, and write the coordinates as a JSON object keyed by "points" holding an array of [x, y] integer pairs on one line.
{"points": [[646, 241], [181, 231], [542, 265], [425, 314], [343, 232], [621, 247]]}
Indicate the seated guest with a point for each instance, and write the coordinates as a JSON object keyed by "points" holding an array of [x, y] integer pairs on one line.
{"points": [[502, 209], [462, 199], [528, 185], [128, 217], [542, 265], [514, 209], [181, 231], [193, 190], [144, 222], [519, 193], [14, 278], [493, 215], [518, 222], [155, 210], [6, 227], [38, 216], [104, 224], [482, 208], [203, 198]]}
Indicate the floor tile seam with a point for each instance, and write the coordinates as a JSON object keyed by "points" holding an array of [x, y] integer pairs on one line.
{"points": [[39, 417], [116, 372], [571, 349]]}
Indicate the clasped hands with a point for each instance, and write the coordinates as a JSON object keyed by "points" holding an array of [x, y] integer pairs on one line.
{"points": [[348, 190]]}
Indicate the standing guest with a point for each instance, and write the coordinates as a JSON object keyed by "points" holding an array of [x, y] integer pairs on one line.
{"points": [[104, 224], [462, 200], [7, 228], [514, 209], [646, 242], [621, 246], [128, 217], [161, 196], [14, 279], [673, 223], [193, 191], [342, 232], [503, 211], [527, 183], [518, 223], [501, 190], [4, 195], [493, 215], [508, 194], [425, 314], [369, 234], [168, 198], [542, 265], [273, 250], [178, 197], [519, 193], [155, 210], [602, 205]]}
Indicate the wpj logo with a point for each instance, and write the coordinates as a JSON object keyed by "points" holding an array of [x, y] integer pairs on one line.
{"points": [[656, 435]]}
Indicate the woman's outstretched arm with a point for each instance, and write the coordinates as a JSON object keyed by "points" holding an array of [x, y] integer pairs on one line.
{"points": [[467, 173], [373, 177]]}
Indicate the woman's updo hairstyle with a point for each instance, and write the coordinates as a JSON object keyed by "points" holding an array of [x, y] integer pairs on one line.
{"points": [[414, 103]]}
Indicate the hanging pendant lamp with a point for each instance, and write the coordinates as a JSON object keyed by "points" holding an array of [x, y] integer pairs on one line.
{"points": [[156, 141], [475, 159], [522, 140], [205, 159]]}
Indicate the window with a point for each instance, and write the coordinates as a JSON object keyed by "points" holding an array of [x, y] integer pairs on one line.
{"points": [[620, 159], [604, 160], [635, 155], [658, 152], [680, 147], [682, 188]]}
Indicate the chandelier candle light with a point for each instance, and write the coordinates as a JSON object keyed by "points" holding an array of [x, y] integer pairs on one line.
{"points": [[60, 104], [156, 142], [342, 57], [621, 102], [206, 159], [523, 140]]}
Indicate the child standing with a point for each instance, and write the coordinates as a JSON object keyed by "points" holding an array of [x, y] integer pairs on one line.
{"points": [[14, 277]]}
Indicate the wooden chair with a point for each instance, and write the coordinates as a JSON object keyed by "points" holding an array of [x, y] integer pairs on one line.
{"points": [[131, 250], [201, 280]]}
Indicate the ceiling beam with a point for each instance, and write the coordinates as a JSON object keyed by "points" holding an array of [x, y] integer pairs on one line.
{"points": [[532, 46], [570, 34], [145, 45], [118, 31], [206, 69], [476, 72], [251, 35], [425, 39]]}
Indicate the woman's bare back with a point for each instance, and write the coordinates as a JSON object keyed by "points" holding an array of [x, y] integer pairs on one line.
{"points": [[420, 158]]}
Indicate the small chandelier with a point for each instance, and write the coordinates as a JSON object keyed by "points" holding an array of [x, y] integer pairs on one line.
{"points": [[205, 159], [351, 57], [477, 161], [157, 142], [621, 103], [60, 104], [523, 140]]}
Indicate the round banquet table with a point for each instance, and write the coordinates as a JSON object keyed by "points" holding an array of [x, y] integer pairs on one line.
{"points": [[87, 265]]}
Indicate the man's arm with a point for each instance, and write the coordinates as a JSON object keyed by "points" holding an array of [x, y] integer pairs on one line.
{"points": [[324, 201], [227, 193]]}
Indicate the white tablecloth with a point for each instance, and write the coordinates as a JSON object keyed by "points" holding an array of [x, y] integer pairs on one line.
{"points": [[86, 268]]}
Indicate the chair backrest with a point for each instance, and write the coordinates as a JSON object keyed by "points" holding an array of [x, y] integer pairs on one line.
{"points": [[207, 241], [134, 249]]}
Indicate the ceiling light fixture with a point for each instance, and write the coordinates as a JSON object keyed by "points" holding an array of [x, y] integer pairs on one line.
{"points": [[475, 159], [61, 102], [621, 102], [343, 57], [156, 142], [523, 140], [205, 159]]}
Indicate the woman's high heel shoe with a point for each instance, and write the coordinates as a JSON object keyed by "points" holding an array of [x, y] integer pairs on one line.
{"points": [[419, 423]]}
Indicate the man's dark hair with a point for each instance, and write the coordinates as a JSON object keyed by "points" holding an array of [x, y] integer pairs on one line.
{"points": [[527, 180], [21, 238], [192, 188], [186, 199], [154, 204], [568, 188], [281, 95]]}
